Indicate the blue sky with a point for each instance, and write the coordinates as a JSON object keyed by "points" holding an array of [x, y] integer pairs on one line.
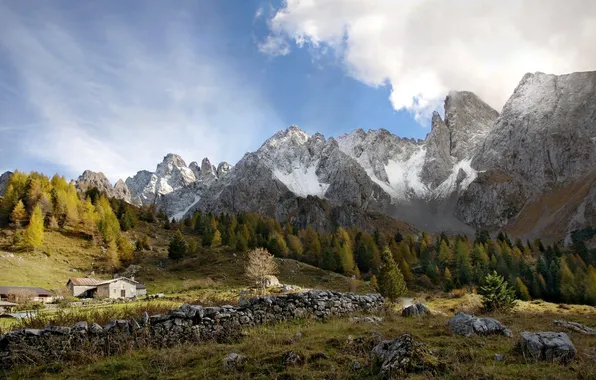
{"points": [[113, 86]]}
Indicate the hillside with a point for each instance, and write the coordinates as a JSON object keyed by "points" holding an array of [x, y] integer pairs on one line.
{"points": [[66, 255]]}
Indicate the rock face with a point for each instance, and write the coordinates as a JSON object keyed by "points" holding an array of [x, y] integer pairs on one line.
{"points": [[578, 327], [529, 170], [4, 182], [90, 179], [544, 139], [392, 358], [549, 346], [189, 323], [468, 325]]}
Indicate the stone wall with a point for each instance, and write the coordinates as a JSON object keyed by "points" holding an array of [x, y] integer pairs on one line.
{"points": [[188, 324]]}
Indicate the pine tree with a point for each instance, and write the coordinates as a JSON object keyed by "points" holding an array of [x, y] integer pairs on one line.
{"points": [[216, 239], [522, 290], [391, 281], [277, 245], [448, 279], [374, 283], [295, 246], [108, 224], [444, 254], [405, 270], [18, 214], [33, 237], [177, 248], [496, 293], [241, 243], [568, 288], [462, 263]]}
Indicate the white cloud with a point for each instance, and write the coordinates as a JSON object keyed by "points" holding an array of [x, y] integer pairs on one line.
{"points": [[274, 45], [117, 95], [423, 48]]}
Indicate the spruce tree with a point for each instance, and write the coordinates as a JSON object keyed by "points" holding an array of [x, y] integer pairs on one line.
{"points": [[33, 237], [295, 246], [216, 239], [590, 292], [391, 281], [177, 248], [496, 293]]}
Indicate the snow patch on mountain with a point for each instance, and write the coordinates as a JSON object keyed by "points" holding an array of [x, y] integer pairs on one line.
{"points": [[180, 215], [302, 180], [455, 181], [404, 176]]}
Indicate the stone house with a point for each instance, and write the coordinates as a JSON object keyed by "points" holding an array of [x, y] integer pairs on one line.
{"points": [[122, 287], [26, 293]]}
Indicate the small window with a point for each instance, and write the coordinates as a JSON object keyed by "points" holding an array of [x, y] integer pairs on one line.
{"points": [[114, 291]]}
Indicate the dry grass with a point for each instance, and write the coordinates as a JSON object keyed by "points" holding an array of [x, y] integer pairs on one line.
{"points": [[327, 353]]}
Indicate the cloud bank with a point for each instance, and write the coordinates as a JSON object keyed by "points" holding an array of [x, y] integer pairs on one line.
{"points": [[115, 91], [424, 48]]}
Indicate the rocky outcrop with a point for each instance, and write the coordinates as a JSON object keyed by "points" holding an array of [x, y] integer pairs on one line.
{"points": [[416, 310], [402, 356], [549, 346], [4, 182], [545, 137], [469, 120], [188, 324], [438, 162], [90, 179], [468, 325]]}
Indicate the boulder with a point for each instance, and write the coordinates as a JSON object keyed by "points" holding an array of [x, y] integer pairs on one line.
{"points": [[416, 310], [402, 356], [549, 346], [292, 358], [234, 361], [468, 325], [270, 280]]}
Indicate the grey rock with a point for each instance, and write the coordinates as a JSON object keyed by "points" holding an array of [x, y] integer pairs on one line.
{"points": [[499, 357], [80, 326], [270, 281], [549, 346], [95, 328], [4, 178], [90, 179], [468, 325], [145, 319], [402, 355], [544, 139], [292, 358], [416, 310], [578, 327], [371, 320], [234, 361]]}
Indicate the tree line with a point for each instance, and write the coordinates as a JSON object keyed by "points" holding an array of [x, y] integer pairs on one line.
{"points": [[551, 272]]}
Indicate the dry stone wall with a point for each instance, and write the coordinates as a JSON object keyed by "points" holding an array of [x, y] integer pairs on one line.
{"points": [[187, 324]]}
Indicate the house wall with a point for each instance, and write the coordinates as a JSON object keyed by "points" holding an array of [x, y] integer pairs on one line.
{"points": [[43, 299], [141, 292], [114, 290], [78, 290]]}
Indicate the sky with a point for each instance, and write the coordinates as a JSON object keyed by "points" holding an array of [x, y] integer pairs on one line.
{"points": [[114, 86]]}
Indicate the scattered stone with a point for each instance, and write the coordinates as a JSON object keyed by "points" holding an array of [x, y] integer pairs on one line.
{"points": [[499, 357], [549, 346], [578, 327], [371, 320], [356, 365], [234, 361], [292, 358], [417, 310], [403, 355], [468, 325], [145, 319], [298, 335]]}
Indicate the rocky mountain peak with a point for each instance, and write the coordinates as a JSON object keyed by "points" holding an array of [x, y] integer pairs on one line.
{"points": [[290, 136], [469, 120], [4, 182], [196, 169], [223, 169], [170, 162], [90, 179]]}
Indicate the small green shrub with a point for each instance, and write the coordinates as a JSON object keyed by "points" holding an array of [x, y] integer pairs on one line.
{"points": [[496, 293]]}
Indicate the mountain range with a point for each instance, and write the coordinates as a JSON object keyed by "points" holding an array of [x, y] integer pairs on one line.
{"points": [[529, 170]]}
